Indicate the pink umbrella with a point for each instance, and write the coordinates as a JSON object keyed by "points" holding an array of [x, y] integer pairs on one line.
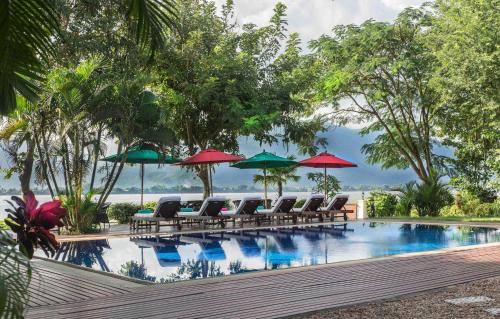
{"points": [[210, 156]]}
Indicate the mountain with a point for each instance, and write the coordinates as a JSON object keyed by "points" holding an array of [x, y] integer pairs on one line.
{"points": [[342, 141]]}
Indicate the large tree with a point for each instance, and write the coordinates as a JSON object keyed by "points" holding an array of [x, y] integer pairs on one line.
{"points": [[464, 39], [378, 73], [220, 83]]}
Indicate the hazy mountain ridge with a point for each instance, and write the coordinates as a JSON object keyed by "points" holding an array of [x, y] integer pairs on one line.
{"points": [[343, 142]]}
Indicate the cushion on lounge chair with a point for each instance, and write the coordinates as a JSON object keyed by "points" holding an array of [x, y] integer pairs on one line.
{"points": [[211, 206], [312, 204], [337, 203], [247, 206], [283, 205]]}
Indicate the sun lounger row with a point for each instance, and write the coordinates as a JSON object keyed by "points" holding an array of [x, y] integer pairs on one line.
{"points": [[169, 211]]}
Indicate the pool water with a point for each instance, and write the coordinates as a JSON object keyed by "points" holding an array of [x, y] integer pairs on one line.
{"points": [[192, 256]]}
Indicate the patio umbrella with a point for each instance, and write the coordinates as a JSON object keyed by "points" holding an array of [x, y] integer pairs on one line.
{"points": [[264, 161], [326, 160], [208, 157], [142, 155]]}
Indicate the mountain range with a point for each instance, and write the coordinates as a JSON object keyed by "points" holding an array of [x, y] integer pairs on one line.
{"points": [[344, 142]]}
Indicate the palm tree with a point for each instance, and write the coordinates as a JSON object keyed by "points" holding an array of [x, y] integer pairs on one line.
{"points": [[279, 176], [28, 29]]}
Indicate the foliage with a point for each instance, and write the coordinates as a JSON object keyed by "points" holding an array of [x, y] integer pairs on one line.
{"points": [[279, 176], [86, 213], [122, 211], [384, 203], [150, 205], [220, 81], [299, 203], [464, 39], [333, 184], [29, 30], [383, 70], [468, 204], [32, 224], [134, 270], [406, 200], [432, 195], [15, 277], [3, 225]]}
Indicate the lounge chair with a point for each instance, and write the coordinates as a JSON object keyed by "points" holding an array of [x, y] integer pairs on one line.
{"points": [[282, 208], [311, 207], [245, 210], [166, 210], [209, 213], [336, 207]]}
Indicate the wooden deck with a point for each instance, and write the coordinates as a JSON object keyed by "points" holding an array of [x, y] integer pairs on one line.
{"points": [[280, 293]]}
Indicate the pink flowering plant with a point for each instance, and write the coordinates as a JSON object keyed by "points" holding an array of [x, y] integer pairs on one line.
{"points": [[32, 223]]}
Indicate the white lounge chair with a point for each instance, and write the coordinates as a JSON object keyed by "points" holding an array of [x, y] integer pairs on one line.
{"points": [[311, 207], [281, 209], [245, 210], [166, 210], [336, 207], [209, 213]]}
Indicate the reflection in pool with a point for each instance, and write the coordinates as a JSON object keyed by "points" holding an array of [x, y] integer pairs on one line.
{"points": [[201, 255]]}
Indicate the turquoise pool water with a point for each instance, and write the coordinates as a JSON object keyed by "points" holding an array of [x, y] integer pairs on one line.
{"points": [[192, 256]]}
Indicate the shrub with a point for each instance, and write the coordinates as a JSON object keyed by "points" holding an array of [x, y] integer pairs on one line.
{"points": [[449, 211], [385, 203], [122, 211], [406, 200], [431, 196], [150, 205], [3, 225], [299, 203]]}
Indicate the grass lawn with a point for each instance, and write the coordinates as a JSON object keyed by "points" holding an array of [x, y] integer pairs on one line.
{"points": [[446, 219]]}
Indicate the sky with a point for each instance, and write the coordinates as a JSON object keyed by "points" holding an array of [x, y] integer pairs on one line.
{"points": [[311, 18]]}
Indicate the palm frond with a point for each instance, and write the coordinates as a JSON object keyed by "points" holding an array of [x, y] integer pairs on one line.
{"points": [[26, 31], [152, 18]]}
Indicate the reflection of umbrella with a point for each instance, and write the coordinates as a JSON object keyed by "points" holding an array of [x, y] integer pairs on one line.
{"points": [[264, 161], [210, 156], [326, 160], [142, 155]]}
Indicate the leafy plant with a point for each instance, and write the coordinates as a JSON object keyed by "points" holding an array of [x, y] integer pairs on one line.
{"points": [[299, 203], [15, 276], [406, 199], [333, 183], [32, 224], [3, 225], [135, 270], [431, 195], [279, 176], [122, 211], [384, 203]]}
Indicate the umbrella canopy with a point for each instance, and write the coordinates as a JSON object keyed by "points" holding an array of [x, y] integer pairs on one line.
{"points": [[326, 160], [208, 157], [264, 161], [142, 155]]}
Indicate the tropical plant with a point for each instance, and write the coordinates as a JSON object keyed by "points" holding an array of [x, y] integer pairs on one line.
{"points": [[406, 199], [28, 29], [32, 223], [332, 183], [15, 277], [432, 195], [122, 211], [279, 176], [384, 203]]}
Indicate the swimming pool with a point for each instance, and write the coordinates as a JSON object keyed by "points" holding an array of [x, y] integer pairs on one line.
{"points": [[201, 255]]}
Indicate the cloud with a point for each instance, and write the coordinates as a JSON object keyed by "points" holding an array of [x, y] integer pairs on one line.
{"points": [[311, 18]]}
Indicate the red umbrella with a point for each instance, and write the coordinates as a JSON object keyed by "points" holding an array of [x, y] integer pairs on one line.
{"points": [[210, 156], [326, 160]]}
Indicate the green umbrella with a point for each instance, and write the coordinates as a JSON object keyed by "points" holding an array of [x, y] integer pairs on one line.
{"points": [[142, 155], [264, 161]]}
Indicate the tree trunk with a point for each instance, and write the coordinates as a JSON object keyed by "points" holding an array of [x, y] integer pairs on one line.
{"points": [[202, 173], [96, 157], [25, 176], [280, 188]]}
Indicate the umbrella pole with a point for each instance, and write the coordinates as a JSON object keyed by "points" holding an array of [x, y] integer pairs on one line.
{"points": [[265, 188], [211, 193], [142, 185], [326, 187]]}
